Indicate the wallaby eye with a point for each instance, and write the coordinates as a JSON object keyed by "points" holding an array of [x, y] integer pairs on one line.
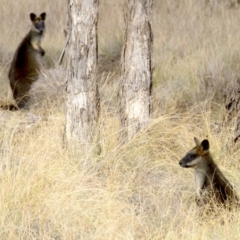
{"points": [[192, 156]]}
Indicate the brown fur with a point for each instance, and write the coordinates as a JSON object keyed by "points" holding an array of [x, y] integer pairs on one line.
{"points": [[212, 186], [27, 62]]}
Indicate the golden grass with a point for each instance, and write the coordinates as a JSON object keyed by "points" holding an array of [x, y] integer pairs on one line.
{"points": [[131, 191]]}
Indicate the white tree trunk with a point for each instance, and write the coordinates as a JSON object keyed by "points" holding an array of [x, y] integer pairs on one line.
{"points": [[82, 102], [136, 71]]}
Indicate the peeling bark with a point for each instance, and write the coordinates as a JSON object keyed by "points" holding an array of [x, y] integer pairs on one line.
{"points": [[82, 101], [136, 69], [233, 111]]}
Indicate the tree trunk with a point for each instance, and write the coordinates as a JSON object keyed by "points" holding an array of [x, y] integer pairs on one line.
{"points": [[82, 100], [233, 111], [136, 70]]}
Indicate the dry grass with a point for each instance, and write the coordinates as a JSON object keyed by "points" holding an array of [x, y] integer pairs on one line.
{"points": [[135, 191]]}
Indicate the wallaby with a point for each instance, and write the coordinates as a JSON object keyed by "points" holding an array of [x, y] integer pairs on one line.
{"points": [[212, 186], [27, 62]]}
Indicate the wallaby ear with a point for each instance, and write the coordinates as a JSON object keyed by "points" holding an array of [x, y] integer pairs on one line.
{"points": [[205, 145], [32, 16], [43, 16], [196, 141]]}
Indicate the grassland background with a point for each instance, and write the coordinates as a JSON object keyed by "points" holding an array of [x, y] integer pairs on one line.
{"points": [[135, 191]]}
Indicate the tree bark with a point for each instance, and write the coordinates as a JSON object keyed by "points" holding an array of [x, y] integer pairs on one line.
{"points": [[233, 111], [136, 69], [82, 100]]}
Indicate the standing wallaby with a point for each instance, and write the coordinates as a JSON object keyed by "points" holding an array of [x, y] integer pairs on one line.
{"points": [[27, 62], [212, 186]]}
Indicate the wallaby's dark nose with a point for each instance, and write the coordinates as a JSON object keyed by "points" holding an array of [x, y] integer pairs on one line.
{"points": [[182, 163]]}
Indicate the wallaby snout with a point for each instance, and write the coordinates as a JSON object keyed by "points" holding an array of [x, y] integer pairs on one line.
{"points": [[182, 163]]}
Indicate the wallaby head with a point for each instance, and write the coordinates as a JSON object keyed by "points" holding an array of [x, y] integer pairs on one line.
{"points": [[194, 157], [38, 24]]}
